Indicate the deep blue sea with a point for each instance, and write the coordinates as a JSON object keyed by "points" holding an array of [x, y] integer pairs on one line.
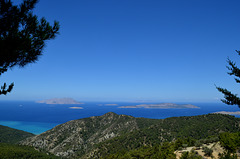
{"points": [[37, 118]]}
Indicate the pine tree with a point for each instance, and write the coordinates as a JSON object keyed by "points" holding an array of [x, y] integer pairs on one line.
{"points": [[230, 98], [22, 36]]}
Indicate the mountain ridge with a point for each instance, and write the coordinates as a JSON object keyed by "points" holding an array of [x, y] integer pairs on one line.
{"points": [[97, 136], [82, 132]]}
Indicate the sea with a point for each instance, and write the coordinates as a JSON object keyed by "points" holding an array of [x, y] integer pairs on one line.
{"points": [[37, 118]]}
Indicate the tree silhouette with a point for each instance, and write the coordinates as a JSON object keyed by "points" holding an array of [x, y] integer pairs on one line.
{"points": [[230, 98], [22, 36]]}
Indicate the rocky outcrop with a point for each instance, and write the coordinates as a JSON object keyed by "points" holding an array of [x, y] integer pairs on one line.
{"points": [[81, 135]]}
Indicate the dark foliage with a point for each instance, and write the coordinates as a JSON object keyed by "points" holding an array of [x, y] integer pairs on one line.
{"points": [[8, 151], [10, 135], [231, 98], [22, 36], [133, 137], [185, 131], [207, 151], [163, 151], [230, 141], [227, 155], [191, 155]]}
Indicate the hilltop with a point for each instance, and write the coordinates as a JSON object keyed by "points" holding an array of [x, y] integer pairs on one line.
{"points": [[100, 136]]}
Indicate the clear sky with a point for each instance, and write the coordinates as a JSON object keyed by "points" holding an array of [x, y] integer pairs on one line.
{"points": [[133, 50]]}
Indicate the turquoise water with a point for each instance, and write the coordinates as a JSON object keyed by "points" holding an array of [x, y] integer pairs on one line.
{"points": [[33, 127], [37, 118]]}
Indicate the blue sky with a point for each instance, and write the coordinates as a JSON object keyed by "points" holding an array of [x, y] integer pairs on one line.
{"points": [[133, 50]]}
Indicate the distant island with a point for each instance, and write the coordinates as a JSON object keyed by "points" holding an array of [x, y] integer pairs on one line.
{"points": [[107, 104], [162, 106], [59, 101], [75, 107], [110, 104], [229, 113]]}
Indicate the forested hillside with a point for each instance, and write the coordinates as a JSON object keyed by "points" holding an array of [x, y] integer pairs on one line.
{"points": [[190, 129], [10, 135], [102, 136], [11, 151], [9, 148]]}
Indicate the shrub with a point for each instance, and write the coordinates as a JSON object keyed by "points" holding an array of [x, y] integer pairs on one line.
{"points": [[207, 151]]}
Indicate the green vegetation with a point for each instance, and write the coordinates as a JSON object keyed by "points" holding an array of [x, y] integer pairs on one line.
{"points": [[208, 152], [185, 131], [230, 141], [165, 151], [227, 155], [122, 136], [8, 151], [10, 135], [191, 155]]}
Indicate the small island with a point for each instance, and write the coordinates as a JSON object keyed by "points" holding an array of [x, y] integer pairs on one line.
{"points": [[59, 101], [162, 106], [229, 113], [75, 107], [110, 104], [107, 104]]}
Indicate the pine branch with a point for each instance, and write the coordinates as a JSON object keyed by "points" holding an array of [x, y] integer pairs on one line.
{"points": [[4, 91], [22, 36], [234, 70], [230, 98]]}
